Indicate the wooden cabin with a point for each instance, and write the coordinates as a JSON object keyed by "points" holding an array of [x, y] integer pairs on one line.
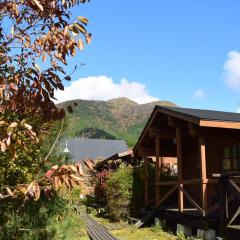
{"points": [[207, 147]]}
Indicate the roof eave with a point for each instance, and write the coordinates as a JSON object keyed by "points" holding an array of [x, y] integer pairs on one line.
{"points": [[219, 124], [167, 111]]}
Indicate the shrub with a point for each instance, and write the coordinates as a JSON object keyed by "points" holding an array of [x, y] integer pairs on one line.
{"points": [[29, 220], [101, 185], [119, 193], [124, 189], [42, 219]]}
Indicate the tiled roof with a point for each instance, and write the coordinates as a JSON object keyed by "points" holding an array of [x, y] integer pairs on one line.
{"points": [[82, 148]]}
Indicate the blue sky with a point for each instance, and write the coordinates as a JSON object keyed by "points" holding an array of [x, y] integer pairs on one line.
{"points": [[177, 49]]}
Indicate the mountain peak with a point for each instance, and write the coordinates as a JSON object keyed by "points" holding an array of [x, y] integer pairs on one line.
{"points": [[122, 101], [119, 118]]}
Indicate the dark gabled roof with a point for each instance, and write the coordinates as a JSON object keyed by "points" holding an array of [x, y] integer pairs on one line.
{"points": [[201, 114], [82, 148], [195, 116]]}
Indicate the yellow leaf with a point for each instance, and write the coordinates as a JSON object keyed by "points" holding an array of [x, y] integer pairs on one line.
{"points": [[80, 170], [27, 126], [73, 168], [88, 38], [37, 191], [55, 167], [8, 141], [65, 30], [22, 188], [13, 125], [9, 191], [3, 147], [83, 20], [57, 182], [80, 27], [44, 57], [37, 67], [12, 30], [76, 178], [29, 187], [2, 123], [39, 5], [80, 44]]}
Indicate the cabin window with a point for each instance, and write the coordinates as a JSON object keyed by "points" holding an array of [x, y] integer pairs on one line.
{"points": [[231, 158]]}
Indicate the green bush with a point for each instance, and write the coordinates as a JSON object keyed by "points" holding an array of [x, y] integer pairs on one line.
{"points": [[45, 219], [125, 190], [29, 220], [119, 193]]}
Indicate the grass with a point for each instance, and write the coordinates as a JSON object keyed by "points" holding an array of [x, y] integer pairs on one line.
{"points": [[67, 224], [71, 227], [125, 231], [150, 233]]}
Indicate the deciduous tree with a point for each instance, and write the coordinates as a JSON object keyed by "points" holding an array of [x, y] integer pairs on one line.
{"points": [[36, 40]]}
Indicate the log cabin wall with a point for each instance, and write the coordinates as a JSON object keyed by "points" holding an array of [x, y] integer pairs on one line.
{"points": [[216, 141], [213, 157], [191, 168]]}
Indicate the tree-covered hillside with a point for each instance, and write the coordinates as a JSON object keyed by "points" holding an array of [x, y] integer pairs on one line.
{"points": [[114, 119]]}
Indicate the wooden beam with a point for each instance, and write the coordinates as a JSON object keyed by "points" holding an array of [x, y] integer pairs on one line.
{"points": [[193, 129], [145, 130], [164, 133], [202, 148], [179, 163], [157, 168], [179, 115], [146, 151], [167, 195], [175, 123], [165, 152], [235, 215], [192, 201], [145, 181], [220, 124], [189, 182]]}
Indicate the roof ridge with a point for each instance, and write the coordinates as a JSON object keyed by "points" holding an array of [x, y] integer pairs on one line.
{"points": [[198, 109], [204, 114], [96, 139]]}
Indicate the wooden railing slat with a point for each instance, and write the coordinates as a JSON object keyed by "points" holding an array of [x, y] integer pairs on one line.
{"points": [[192, 200], [190, 181], [167, 195]]}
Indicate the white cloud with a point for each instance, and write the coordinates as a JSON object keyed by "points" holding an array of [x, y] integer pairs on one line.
{"points": [[232, 70], [103, 88], [238, 110], [199, 94]]}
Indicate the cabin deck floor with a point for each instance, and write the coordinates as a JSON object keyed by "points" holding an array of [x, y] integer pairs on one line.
{"points": [[189, 211]]}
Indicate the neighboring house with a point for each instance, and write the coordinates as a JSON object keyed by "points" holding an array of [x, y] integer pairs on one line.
{"points": [[206, 145], [83, 148], [169, 163], [112, 162]]}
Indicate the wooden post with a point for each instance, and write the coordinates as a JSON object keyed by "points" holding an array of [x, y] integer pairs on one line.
{"points": [[157, 173], [145, 181], [223, 202], [179, 162], [203, 173]]}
